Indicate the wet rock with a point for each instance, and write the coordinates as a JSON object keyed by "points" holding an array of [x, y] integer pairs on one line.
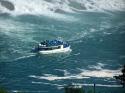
{"points": [[7, 4]]}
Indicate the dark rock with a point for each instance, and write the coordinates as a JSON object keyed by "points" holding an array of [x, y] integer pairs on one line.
{"points": [[7, 4]]}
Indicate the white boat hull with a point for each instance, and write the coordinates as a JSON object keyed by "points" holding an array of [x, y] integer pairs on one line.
{"points": [[62, 50]]}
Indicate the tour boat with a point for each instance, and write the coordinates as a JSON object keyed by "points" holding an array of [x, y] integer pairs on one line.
{"points": [[53, 46]]}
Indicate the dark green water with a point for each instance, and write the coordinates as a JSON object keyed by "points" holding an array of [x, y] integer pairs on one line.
{"points": [[98, 52]]}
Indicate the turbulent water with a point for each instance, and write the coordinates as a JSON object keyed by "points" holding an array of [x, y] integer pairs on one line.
{"points": [[95, 29]]}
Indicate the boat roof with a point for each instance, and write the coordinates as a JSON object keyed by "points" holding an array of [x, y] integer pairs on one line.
{"points": [[53, 42]]}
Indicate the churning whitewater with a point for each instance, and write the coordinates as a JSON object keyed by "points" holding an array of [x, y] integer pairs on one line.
{"points": [[94, 29], [46, 7]]}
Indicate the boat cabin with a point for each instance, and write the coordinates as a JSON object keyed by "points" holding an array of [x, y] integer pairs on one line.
{"points": [[52, 45]]}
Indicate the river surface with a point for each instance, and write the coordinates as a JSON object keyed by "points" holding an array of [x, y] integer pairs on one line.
{"points": [[97, 39]]}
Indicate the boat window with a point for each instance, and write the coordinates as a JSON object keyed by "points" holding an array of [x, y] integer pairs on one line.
{"points": [[50, 48], [57, 47]]}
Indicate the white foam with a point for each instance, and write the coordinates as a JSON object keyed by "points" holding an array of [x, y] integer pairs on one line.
{"points": [[100, 72], [101, 5], [53, 77], [97, 67], [38, 7], [110, 4], [50, 8], [66, 73]]}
